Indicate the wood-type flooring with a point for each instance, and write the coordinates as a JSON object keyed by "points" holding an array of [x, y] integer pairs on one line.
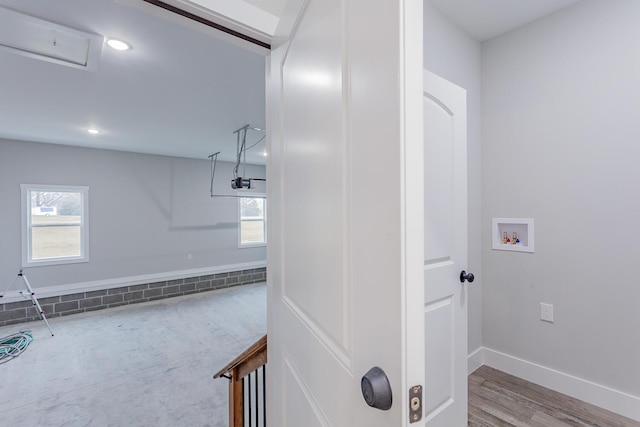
{"points": [[497, 399]]}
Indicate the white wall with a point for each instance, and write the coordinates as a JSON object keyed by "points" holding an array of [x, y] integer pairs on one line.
{"points": [[561, 119], [456, 56], [147, 213]]}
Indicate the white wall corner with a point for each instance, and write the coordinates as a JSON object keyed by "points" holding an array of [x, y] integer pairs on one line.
{"points": [[475, 359], [607, 398]]}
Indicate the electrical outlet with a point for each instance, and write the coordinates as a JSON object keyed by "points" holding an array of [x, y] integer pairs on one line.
{"points": [[546, 312]]}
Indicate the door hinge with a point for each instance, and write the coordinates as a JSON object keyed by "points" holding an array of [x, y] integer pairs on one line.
{"points": [[415, 404]]}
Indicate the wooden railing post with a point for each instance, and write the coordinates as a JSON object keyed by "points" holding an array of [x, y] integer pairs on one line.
{"points": [[252, 359], [236, 400]]}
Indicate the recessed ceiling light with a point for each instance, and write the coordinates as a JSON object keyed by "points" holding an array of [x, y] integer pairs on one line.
{"points": [[93, 131], [118, 44]]}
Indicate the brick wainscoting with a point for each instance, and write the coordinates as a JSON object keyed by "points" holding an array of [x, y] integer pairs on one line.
{"points": [[24, 311]]}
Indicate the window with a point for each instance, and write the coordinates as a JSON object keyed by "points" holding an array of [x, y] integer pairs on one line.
{"points": [[253, 221], [54, 224]]}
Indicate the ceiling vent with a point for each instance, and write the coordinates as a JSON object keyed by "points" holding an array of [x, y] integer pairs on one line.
{"points": [[44, 40]]}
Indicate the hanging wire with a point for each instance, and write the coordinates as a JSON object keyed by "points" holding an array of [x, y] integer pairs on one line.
{"points": [[241, 147], [238, 150], [12, 346], [241, 157], [214, 160], [256, 143]]}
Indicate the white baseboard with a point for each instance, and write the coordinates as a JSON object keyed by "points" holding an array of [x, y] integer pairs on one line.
{"points": [[612, 400], [475, 360], [98, 285]]}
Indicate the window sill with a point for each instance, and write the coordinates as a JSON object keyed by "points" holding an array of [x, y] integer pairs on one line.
{"points": [[54, 261], [252, 245]]}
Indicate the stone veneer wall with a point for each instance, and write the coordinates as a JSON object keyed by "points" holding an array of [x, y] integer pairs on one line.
{"points": [[24, 311]]}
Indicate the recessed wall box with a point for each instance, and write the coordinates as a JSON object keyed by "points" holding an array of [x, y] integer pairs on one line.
{"points": [[512, 234]]}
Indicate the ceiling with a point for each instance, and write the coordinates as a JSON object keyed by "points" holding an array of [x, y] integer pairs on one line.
{"points": [[484, 19], [182, 90]]}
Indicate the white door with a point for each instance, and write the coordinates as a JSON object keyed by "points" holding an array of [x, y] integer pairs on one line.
{"points": [[445, 252], [345, 212]]}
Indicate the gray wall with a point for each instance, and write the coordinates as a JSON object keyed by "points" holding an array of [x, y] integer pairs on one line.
{"points": [[147, 213], [456, 56], [561, 119]]}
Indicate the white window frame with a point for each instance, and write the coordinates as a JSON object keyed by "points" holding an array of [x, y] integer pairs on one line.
{"points": [[27, 260], [264, 219]]}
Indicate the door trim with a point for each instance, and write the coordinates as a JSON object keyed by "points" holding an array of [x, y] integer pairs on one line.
{"points": [[208, 23]]}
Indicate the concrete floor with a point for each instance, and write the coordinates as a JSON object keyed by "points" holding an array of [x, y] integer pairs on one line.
{"points": [[147, 364]]}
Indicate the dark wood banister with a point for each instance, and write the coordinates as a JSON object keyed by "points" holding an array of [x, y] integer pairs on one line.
{"points": [[248, 361]]}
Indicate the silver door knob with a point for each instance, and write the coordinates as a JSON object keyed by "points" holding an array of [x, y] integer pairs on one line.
{"points": [[376, 389]]}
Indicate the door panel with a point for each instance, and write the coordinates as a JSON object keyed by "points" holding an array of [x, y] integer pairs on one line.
{"points": [[299, 401], [439, 187], [345, 227], [439, 389], [315, 180], [445, 186]]}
